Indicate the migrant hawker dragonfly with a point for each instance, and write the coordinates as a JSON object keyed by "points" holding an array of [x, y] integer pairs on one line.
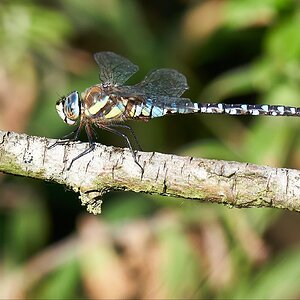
{"points": [[107, 104]]}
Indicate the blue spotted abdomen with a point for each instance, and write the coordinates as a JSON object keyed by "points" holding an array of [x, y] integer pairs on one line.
{"points": [[158, 108], [247, 109], [161, 106]]}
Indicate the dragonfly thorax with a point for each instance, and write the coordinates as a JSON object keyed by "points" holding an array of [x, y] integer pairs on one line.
{"points": [[69, 108], [97, 101]]}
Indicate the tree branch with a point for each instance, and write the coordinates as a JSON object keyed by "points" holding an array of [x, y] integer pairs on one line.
{"points": [[108, 168]]}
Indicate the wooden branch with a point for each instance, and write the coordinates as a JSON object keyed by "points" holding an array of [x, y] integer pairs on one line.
{"points": [[108, 168]]}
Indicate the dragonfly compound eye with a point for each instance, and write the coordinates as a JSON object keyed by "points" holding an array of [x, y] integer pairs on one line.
{"points": [[68, 108]]}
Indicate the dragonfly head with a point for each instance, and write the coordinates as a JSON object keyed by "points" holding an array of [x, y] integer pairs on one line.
{"points": [[69, 108]]}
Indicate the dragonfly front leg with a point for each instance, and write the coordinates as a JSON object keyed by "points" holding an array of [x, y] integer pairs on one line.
{"points": [[89, 132], [65, 139]]}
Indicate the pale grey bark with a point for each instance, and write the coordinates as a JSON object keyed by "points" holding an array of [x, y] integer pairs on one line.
{"points": [[108, 168]]}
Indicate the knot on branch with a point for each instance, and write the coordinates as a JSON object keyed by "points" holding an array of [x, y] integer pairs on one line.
{"points": [[92, 200]]}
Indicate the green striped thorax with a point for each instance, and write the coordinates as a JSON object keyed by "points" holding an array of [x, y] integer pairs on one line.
{"points": [[69, 108]]}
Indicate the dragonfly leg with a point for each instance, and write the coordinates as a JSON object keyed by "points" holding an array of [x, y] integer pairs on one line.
{"points": [[86, 151], [65, 139], [89, 133], [131, 131], [112, 130], [94, 133]]}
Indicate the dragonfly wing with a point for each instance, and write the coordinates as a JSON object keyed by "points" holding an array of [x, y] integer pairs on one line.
{"points": [[139, 95], [128, 91], [164, 82], [114, 68]]}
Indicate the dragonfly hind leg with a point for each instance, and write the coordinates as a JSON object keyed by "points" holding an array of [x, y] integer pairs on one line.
{"points": [[124, 136], [131, 131]]}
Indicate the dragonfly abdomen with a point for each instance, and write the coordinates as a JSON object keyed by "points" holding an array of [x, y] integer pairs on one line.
{"points": [[151, 110], [246, 109], [154, 108]]}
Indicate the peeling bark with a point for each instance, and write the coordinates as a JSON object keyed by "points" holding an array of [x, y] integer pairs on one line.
{"points": [[108, 168]]}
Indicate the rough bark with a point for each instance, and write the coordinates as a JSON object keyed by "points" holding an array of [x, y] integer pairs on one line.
{"points": [[107, 168]]}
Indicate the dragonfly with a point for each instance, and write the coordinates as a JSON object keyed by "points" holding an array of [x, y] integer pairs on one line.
{"points": [[109, 103]]}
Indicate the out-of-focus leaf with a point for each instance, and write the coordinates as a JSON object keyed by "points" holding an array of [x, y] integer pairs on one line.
{"points": [[201, 20], [61, 284], [232, 83], [253, 12], [115, 19], [268, 142], [26, 229], [282, 43], [18, 92], [128, 206], [261, 219], [229, 131], [264, 74], [278, 280], [30, 35], [100, 263], [178, 259], [28, 28]]}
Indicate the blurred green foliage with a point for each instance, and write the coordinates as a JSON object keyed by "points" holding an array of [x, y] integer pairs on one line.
{"points": [[237, 51]]}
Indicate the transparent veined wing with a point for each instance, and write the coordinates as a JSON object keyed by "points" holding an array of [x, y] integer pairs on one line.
{"points": [[114, 68], [164, 82]]}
